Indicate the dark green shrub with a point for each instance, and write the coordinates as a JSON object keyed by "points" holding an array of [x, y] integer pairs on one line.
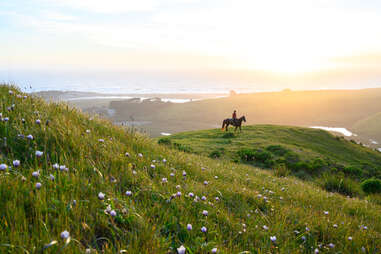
{"points": [[224, 142], [372, 185], [164, 141], [235, 160], [262, 156], [302, 166], [318, 164], [302, 175], [269, 163], [368, 170], [182, 148], [342, 185], [333, 170], [215, 154], [352, 171], [228, 135], [291, 158], [246, 154], [277, 150]]}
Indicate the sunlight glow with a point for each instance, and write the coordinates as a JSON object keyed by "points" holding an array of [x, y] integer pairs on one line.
{"points": [[279, 36]]}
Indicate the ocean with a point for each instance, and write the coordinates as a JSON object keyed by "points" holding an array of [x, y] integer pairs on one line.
{"points": [[127, 82], [181, 82]]}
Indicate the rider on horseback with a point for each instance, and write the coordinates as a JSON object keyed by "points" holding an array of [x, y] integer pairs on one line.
{"points": [[234, 117], [236, 122]]}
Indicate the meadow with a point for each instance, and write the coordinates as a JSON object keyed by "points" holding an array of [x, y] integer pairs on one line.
{"points": [[335, 163], [74, 183]]}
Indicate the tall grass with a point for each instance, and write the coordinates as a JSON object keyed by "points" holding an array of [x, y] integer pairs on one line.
{"points": [[245, 206]]}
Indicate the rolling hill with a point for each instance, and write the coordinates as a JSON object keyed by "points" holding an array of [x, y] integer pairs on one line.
{"points": [[308, 153], [71, 183]]}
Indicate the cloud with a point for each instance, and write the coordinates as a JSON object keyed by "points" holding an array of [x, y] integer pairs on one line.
{"points": [[249, 32], [107, 6]]}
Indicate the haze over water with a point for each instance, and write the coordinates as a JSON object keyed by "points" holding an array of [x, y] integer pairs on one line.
{"points": [[206, 82]]}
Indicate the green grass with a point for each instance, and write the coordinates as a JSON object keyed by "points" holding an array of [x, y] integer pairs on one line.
{"points": [[306, 142], [308, 153], [150, 221]]}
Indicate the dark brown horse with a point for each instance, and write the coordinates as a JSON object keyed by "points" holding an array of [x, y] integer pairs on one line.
{"points": [[237, 123]]}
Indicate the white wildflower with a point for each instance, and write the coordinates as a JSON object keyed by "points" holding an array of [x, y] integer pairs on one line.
{"points": [[101, 196], [39, 153], [65, 234], [38, 185], [3, 167], [16, 163], [181, 250]]}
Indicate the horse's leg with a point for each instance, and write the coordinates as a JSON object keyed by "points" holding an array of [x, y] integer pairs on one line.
{"points": [[240, 129], [227, 125]]}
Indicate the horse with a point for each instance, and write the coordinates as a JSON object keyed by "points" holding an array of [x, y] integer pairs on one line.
{"points": [[237, 123]]}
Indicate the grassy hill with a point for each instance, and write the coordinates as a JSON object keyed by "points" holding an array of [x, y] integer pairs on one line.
{"points": [[307, 153], [75, 184]]}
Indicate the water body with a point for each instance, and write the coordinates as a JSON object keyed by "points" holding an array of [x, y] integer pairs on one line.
{"points": [[172, 82], [131, 82], [374, 142], [173, 100], [343, 131]]}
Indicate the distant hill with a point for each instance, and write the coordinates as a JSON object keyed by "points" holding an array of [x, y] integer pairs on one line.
{"points": [[307, 153], [331, 108], [71, 183], [369, 127]]}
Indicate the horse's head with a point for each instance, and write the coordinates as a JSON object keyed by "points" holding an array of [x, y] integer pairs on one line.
{"points": [[244, 119]]}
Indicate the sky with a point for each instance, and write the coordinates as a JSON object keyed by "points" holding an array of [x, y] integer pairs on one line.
{"points": [[293, 36]]}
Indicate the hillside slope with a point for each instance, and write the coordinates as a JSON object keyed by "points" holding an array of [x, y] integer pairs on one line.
{"points": [[68, 186], [307, 153], [307, 142]]}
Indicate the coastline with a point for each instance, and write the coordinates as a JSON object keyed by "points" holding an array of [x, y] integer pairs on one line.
{"points": [[75, 96]]}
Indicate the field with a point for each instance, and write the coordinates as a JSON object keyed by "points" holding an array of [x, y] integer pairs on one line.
{"points": [[79, 184], [304, 152]]}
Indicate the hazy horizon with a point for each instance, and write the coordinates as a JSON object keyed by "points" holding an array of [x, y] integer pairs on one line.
{"points": [[189, 81]]}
